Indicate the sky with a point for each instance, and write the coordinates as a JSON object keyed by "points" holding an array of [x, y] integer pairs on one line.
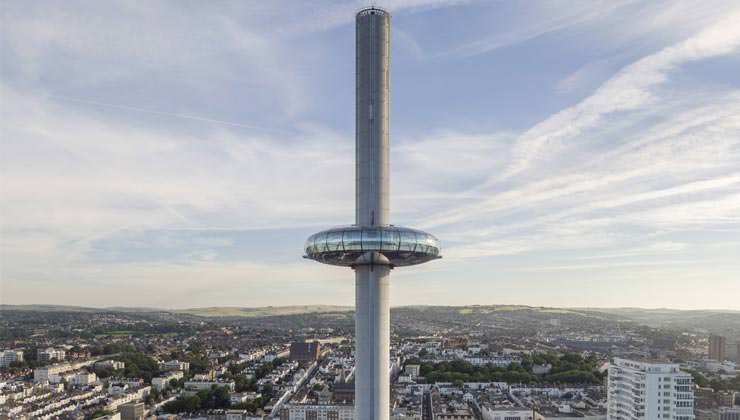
{"points": [[177, 154]]}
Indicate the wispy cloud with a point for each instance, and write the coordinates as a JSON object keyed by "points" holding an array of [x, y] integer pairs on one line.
{"points": [[511, 24], [653, 152], [166, 114], [627, 91]]}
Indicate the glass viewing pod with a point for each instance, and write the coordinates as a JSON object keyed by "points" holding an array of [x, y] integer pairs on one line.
{"points": [[344, 245]]}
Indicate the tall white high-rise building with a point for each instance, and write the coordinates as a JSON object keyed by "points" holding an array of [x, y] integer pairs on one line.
{"points": [[641, 390]]}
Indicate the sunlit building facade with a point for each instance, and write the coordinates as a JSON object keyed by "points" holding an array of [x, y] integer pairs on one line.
{"points": [[640, 390]]}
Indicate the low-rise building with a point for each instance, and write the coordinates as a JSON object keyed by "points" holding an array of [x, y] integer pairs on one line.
{"points": [[129, 382], [723, 413], [726, 413], [317, 412], [461, 414], [10, 356], [132, 411], [242, 397], [49, 354], [130, 396], [506, 413], [84, 378], [174, 365], [305, 352], [412, 370], [51, 374], [161, 382], [235, 414], [726, 398], [205, 385], [109, 364]]}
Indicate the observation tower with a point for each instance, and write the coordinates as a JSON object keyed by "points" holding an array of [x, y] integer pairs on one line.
{"points": [[372, 246]]}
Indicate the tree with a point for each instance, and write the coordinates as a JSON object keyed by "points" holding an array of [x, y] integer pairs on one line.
{"points": [[175, 406], [198, 362], [699, 379], [235, 368], [118, 348], [221, 397], [243, 384], [104, 372], [191, 404], [267, 390], [154, 395]]}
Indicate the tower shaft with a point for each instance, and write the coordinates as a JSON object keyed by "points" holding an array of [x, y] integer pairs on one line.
{"points": [[372, 109], [372, 282], [372, 341]]}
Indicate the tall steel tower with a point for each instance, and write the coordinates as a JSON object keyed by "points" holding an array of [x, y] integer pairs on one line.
{"points": [[372, 246]]}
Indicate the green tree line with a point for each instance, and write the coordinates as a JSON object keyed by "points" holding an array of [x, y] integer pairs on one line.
{"points": [[569, 368]]}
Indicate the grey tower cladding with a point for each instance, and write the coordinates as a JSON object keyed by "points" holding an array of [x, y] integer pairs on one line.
{"points": [[372, 69], [372, 247]]}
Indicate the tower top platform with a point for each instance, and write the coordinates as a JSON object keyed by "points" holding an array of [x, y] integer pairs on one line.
{"points": [[372, 10]]}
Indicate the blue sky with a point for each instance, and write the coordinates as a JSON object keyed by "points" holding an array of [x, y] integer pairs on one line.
{"points": [[177, 153]]}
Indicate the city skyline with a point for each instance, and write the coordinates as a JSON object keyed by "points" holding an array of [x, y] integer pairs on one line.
{"points": [[175, 157]]}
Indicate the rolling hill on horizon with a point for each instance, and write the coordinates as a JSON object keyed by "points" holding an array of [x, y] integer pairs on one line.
{"points": [[257, 311], [718, 321]]}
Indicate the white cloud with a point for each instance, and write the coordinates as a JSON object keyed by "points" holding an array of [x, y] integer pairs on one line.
{"points": [[628, 155], [629, 90]]}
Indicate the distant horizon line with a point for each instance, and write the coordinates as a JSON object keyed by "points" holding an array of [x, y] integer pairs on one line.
{"points": [[349, 307]]}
